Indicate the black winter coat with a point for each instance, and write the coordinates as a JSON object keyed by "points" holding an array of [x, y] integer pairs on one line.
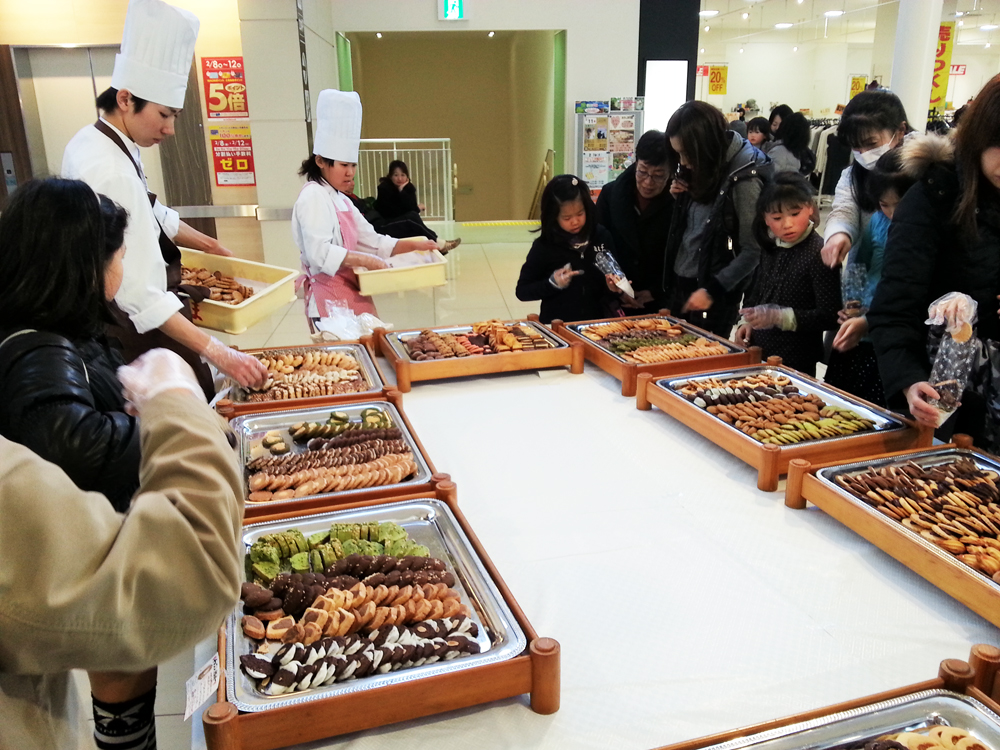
{"points": [[64, 402], [392, 202], [586, 298], [640, 239], [926, 256]]}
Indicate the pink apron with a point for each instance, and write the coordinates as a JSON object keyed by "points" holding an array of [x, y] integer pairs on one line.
{"points": [[342, 287]]}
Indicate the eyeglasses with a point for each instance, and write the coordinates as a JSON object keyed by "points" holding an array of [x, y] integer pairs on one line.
{"points": [[644, 176]]}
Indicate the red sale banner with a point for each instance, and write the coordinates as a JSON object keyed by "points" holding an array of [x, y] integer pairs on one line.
{"points": [[232, 155], [225, 87]]}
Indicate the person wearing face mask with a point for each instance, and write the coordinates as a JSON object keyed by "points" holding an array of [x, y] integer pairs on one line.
{"points": [[332, 236], [139, 110], [945, 237], [794, 298], [873, 122]]}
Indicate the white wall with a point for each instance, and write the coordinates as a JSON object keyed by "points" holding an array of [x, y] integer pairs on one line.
{"points": [[602, 39], [981, 65]]}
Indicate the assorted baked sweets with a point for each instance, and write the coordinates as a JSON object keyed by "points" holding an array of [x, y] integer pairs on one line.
{"points": [[306, 374], [488, 337], [931, 738], [222, 288], [651, 340], [955, 505], [771, 409]]}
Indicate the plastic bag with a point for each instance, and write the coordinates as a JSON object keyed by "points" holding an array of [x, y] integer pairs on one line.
{"points": [[957, 353], [853, 281], [609, 267], [342, 324]]}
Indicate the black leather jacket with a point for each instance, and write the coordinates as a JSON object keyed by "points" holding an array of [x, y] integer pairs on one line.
{"points": [[64, 402]]}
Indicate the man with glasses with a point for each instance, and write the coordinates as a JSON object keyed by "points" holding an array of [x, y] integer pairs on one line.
{"points": [[636, 209]]}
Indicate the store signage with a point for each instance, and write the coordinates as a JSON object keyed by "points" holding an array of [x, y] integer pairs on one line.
{"points": [[718, 75], [942, 67], [225, 87], [958, 70], [452, 10], [232, 155], [702, 71], [858, 84]]}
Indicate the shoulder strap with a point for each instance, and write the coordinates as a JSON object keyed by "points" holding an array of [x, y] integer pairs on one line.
{"points": [[103, 128], [18, 333]]}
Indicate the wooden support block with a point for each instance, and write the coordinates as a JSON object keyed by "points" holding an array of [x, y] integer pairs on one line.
{"points": [[797, 469], [985, 662], [545, 675], [642, 384]]}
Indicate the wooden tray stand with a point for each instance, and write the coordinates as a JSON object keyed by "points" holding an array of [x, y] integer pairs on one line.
{"points": [[409, 371], [977, 678], [771, 461], [966, 585], [535, 671], [628, 372], [232, 409], [257, 511]]}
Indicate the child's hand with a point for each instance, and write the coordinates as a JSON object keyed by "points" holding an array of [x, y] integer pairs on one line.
{"points": [[678, 186], [563, 276], [850, 334], [699, 300], [917, 396], [836, 249], [742, 336]]}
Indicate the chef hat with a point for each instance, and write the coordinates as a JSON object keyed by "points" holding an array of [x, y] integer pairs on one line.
{"points": [[156, 52], [338, 125]]}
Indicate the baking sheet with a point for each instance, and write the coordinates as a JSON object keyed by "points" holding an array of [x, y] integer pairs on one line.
{"points": [[251, 428], [731, 348], [851, 729], [929, 458], [884, 421], [369, 374], [397, 338], [429, 522]]}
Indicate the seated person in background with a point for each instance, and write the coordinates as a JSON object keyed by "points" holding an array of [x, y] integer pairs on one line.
{"points": [[560, 269], [759, 133], [396, 203], [105, 591], [636, 210], [794, 298]]}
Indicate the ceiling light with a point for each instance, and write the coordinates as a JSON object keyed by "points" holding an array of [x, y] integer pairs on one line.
{"points": [[378, 34], [988, 27], [708, 28], [746, 16], [833, 13], [961, 23], [708, 13], [490, 35], [702, 50], [783, 25], [741, 50], [795, 49], [987, 45]]}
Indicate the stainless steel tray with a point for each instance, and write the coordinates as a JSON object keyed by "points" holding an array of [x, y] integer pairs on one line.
{"points": [[731, 348], [429, 522], [251, 428], [396, 338], [851, 729], [885, 421], [369, 373], [930, 457]]}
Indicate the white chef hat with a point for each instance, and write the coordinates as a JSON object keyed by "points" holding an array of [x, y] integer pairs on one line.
{"points": [[156, 52], [338, 125]]}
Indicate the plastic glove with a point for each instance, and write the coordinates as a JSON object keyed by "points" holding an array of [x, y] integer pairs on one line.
{"points": [[956, 311], [244, 369], [562, 277], [154, 372], [769, 316]]}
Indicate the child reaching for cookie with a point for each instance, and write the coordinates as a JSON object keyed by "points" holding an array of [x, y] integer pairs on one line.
{"points": [[561, 269], [794, 297]]}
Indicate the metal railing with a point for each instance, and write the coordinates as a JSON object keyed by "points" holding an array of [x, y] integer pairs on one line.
{"points": [[430, 165]]}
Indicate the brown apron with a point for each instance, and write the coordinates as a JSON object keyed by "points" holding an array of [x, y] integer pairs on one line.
{"points": [[123, 332]]}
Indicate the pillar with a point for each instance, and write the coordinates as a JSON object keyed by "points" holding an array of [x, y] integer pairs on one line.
{"points": [[886, 17], [913, 56]]}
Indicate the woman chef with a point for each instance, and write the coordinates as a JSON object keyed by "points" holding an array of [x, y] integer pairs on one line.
{"points": [[146, 95], [331, 234]]}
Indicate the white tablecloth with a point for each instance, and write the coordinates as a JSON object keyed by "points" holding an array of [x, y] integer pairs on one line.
{"points": [[686, 601]]}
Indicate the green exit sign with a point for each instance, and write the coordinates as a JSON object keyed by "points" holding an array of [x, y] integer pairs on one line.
{"points": [[451, 10]]}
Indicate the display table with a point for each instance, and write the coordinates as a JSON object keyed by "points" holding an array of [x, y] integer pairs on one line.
{"points": [[685, 600]]}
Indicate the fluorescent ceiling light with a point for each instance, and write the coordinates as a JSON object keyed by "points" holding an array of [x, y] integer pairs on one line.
{"points": [[741, 50], [783, 25], [795, 49], [708, 13], [833, 13], [959, 14], [988, 27], [746, 16]]}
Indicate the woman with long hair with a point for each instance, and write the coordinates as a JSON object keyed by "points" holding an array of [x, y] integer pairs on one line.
{"points": [[790, 150], [398, 210]]}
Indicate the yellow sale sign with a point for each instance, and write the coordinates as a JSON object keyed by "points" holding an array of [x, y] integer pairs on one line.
{"points": [[718, 75], [858, 84], [942, 67]]}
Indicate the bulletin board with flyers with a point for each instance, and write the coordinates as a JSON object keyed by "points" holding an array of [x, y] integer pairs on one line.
{"points": [[607, 131]]}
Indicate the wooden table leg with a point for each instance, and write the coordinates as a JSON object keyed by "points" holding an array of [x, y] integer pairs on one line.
{"points": [[797, 470], [985, 661], [642, 383], [576, 366], [767, 475], [545, 675], [957, 675], [403, 376], [629, 380], [222, 727]]}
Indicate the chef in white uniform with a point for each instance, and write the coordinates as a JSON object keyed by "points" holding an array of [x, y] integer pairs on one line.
{"points": [[146, 95], [332, 236]]}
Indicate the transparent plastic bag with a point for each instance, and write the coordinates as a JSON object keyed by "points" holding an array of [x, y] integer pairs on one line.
{"points": [[957, 353], [609, 267], [853, 281], [342, 324]]}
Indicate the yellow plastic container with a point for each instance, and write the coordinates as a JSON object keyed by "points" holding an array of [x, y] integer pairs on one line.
{"points": [[272, 288], [404, 279]]}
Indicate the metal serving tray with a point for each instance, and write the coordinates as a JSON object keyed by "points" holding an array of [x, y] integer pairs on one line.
{"points": [[369, 374], [884, 421], [928, 458], [396, 339], [731, 348], [251, 428], [852, 729], [429, 522]]}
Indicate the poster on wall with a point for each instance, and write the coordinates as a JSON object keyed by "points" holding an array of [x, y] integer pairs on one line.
{"points": [[942, 68], [621, 133], [595, 169], [232, 155], [225, 87], [595, 133], [718, 76], [858, 84], [592, 107], [619, 163]]}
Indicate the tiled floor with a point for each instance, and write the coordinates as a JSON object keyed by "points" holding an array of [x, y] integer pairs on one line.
{"points": [[482, 274]]}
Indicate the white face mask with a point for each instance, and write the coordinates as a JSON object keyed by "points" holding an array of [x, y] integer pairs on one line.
{"points": [[868, 159]]}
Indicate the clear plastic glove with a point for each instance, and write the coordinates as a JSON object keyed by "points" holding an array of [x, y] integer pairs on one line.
{"points": [[956, 312], [370, 262], [562, 277], [244, 369], [769, 316], [852, 330], [836, 249], [152, 373]]}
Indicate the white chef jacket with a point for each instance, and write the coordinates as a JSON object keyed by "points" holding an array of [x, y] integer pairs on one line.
{"points": [[316, 230], [94, 158]]}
